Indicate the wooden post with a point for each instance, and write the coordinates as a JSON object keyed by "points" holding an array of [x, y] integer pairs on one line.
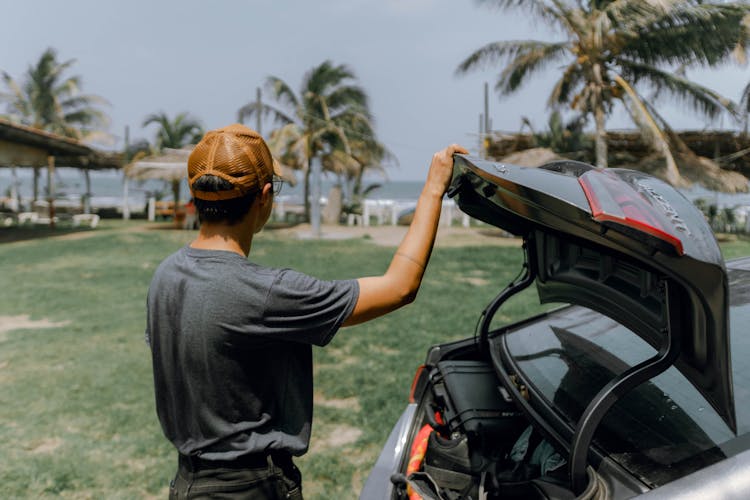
{"points": [[317, 167], [51, 189], [125, 202], [14, 197], [125, 179], [486, 108], [482, 149], [36, 187], [87, 196]]}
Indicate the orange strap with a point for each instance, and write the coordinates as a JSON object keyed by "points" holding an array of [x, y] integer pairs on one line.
{"points": [[416, 456]]}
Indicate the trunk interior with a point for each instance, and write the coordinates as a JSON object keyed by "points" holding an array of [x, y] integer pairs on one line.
{"points": [[471, 441]]}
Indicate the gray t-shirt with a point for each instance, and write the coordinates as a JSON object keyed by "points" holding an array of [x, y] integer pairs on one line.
{"points": [[231, 349]]}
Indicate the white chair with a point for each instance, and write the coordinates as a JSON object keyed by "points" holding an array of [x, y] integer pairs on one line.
{"points": [[91, 219], [25, 217]]}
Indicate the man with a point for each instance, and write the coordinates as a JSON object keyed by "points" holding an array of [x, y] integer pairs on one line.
{"points": [[231, 340]]}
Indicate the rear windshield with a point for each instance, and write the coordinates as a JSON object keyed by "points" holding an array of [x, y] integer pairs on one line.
{"points": [[663, 429]]}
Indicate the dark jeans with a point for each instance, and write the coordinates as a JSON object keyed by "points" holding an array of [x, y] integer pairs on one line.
{"points": [[277, 479]]}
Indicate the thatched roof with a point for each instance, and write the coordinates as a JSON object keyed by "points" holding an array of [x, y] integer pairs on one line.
{"points": [[627, 149], [23, 146], [697, 170], [534, 157]]}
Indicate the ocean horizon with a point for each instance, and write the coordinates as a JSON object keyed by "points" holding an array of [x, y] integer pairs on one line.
{"points": [[107, 189]]}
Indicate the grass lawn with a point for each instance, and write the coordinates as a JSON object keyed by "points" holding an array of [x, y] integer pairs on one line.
{"points": [[77, 416]]}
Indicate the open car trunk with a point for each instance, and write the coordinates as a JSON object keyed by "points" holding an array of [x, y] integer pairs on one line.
{"points": [[625, 246]]}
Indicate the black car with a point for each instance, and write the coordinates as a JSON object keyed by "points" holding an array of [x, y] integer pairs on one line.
{"points": [[631, 386]]}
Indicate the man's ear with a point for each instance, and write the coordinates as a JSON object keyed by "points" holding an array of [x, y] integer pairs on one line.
{"points": [[266, 194]]}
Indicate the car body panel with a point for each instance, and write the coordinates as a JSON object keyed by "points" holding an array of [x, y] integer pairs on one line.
{"points": [[604, 264], [378, 485], [725, 480]]}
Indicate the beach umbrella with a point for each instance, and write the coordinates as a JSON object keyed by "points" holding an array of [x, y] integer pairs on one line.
{"points": [[169, 165]]}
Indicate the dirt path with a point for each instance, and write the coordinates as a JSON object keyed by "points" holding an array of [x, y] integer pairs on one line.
{"points": [[24, 322], [392, 235], [454, 236]]}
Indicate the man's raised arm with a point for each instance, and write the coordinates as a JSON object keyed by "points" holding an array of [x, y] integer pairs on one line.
{"points": [[379, 295]]}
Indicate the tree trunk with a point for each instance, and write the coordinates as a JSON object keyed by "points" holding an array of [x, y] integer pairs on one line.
{"points": [[601, 137], [358, 181], [176, 195], [656, 136], [600, 119], [307, 190], [36, 185]]}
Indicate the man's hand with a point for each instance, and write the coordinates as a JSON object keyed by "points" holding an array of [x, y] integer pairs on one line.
{"points": [[441, 169]]}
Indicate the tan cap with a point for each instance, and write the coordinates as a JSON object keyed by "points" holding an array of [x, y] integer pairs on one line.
{"points": [[238, 155]]}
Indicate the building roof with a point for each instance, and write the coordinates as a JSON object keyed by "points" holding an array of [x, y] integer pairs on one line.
{"points": [[23, 146]]}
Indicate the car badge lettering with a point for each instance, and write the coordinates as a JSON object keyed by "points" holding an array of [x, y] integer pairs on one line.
{"points": [[501, 168], [668, 209]]}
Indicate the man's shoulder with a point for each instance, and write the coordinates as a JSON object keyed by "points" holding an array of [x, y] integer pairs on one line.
{"points": [[171, 259]]}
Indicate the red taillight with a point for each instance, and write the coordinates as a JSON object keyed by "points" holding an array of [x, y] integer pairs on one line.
{"points": [[613, 200], [414, 383]]}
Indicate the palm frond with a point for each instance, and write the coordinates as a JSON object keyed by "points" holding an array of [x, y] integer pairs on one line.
{"points": [[288, 145], [325, 77], [347, 96], [356, 121], [628, 17], [571, 79], [341, 163], [532, 51], [281, 92], [704, 34], [158, 118], [537, 8], [87, 117], [526, 64], [15, 98], [69, 87], [83, 102], [699, 98], [250, 110]]}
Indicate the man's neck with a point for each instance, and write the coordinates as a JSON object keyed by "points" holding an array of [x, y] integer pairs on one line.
{"points": [[233, 238]]}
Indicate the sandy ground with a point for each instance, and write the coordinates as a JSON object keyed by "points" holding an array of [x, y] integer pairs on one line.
{"points": [[21, 322], [392, 235], [386, 235]]}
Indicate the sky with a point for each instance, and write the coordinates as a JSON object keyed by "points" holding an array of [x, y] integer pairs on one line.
{"points": [[208, 58]]}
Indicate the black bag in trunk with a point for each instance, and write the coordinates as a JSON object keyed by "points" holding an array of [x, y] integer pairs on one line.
{"points": [[474, 404]]}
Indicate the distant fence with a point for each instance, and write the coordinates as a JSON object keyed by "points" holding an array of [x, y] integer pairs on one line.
{"points": [[376, 212]]}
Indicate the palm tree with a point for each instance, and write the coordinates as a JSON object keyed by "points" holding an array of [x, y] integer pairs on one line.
{"points": [[613, 47], [568, 138], [315, 122], [183, 130], [46, 99], [366, 154]]}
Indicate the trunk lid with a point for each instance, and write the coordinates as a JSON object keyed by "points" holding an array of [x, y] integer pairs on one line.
{"points": [[607, 239]]}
